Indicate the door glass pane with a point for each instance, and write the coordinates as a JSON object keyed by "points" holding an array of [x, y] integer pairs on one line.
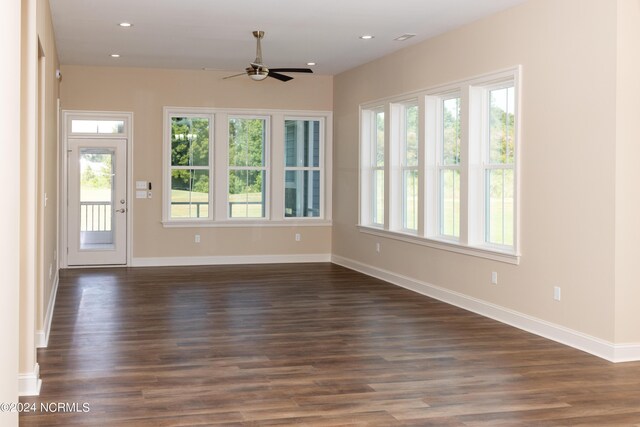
{"points": [[96, 199], [302, 194], [97, 126]]}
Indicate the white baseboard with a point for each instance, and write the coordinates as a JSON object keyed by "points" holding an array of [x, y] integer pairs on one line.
{"points": [[42, 336], [29, 384], [222, 260], [596, 346]]}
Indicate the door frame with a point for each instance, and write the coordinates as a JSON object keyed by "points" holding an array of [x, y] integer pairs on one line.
{"points": [[66, 117]]}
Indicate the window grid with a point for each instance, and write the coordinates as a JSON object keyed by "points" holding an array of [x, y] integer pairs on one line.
{"points": [[377, 170], [190, 168], [303, 179], [449, 168], [499, 166], [248, 147], [467, 167], [409, 167]]}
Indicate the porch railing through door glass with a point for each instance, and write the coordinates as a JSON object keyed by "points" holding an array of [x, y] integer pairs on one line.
{"points": [[95, 216]]}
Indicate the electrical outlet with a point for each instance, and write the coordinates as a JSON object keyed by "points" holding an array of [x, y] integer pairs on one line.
{"points": [[298, 237], [197, 238], [378, 247], [494, 277], [557, 293]]}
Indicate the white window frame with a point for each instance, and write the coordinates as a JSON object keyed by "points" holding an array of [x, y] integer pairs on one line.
{"points": [[474, 112], [486, 162], [219, 163], [320, 168], [441, 167], [369, 166], [265, 168], [399, 166], [168, 167]]}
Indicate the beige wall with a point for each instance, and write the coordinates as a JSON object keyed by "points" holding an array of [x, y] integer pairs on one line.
{"points": [[39, 160], [145, 92], [28, 195], [48, 162], [627, 173], [10, 24], [568, 54]]}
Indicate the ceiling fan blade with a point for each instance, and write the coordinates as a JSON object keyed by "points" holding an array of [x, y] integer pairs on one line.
{"points": [[292, 70], [279, 76], [235, 75]]}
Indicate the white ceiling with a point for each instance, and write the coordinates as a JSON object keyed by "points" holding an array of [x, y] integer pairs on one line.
{"points": [[217, 33]]}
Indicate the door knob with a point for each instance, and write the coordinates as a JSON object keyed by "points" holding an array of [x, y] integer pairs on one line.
{"points": [[123, 210]]}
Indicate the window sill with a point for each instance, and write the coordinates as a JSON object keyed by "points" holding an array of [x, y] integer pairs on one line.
{"points": [[477, 251], [245, 223]]}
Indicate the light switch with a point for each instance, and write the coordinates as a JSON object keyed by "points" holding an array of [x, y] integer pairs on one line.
{"points": [[141, 194], [141, 185]]}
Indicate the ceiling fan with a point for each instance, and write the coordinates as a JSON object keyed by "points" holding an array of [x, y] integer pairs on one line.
{"points": [[258, 71]]}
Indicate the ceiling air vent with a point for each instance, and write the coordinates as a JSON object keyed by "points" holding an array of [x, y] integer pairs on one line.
{"points": [[404, 37]]}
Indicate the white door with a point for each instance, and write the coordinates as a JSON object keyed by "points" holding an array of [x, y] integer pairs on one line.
{"points": [[97, 192]]}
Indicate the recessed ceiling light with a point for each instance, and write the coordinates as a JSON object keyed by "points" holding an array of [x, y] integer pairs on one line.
{"points": [[404, 37], [115, 55], [311, 63], [366, 37], [126, 24]]}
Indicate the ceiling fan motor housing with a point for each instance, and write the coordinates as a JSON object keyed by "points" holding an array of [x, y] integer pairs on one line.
{"points": [[257, 71]]}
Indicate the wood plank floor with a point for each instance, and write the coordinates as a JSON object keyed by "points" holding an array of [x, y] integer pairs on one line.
{"points": [[308, 345]]}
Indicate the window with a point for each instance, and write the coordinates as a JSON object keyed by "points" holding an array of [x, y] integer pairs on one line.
{"points": [[449, 168], [303, 172], [249, 175], [409, 167], [377, 167], [499, 166], [247, 167], [190, 166], [451, 179]]}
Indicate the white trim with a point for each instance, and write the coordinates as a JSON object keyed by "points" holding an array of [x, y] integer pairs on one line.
{"points": [[229, 260], [587, 343], [445, 89], [451, 246], [471, 239], [63, 165], [42, 336], [274, 166], [286, 223], [29, 384]]}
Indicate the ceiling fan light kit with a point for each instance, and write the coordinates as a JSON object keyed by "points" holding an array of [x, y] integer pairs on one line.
{"points": [[257, 74], [257, 71]]}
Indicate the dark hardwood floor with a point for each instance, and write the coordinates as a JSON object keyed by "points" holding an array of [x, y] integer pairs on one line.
{"points": [[306, 344]]}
